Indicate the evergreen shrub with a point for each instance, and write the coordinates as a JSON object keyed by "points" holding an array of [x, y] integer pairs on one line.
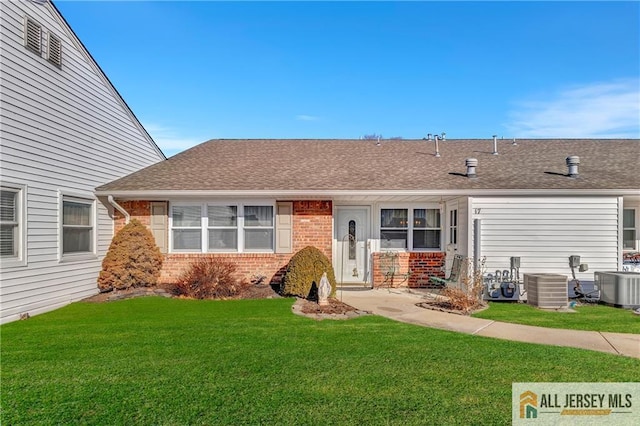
{"points": [[304, 270], [133, 259]]}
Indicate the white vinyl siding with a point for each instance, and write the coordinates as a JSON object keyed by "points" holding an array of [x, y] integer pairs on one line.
{"points": [[63, 131], [228, 227], [545, 231]]}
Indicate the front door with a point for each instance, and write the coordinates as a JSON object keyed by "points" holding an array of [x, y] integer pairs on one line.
{"points": [[352, 233]]}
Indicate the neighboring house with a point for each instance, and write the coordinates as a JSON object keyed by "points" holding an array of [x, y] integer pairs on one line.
{"points": [[361, 202], [64, 131]]}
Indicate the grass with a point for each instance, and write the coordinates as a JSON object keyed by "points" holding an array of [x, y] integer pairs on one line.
{"points": [[591, 317], [175, 362]]}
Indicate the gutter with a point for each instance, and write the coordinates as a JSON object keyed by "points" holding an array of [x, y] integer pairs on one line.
{"points": [[165, 194], [117, 206]]}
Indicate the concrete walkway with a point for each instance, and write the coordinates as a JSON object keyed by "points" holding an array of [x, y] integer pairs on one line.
{"points": [[400, 305]]}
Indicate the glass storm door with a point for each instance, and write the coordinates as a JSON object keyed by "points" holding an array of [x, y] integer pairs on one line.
{"points": [[352, 233]]}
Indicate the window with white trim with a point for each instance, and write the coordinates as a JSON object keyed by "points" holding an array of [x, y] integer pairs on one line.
{"points": [[258, 228], [10, 235], [453, 226], [223, 228], [77, 225], [207, 227], [410, 228], [629, 229], [187, 228]]}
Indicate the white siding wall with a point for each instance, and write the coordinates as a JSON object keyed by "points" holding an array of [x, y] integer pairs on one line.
{"points": [[545, 231], [63, 130]]}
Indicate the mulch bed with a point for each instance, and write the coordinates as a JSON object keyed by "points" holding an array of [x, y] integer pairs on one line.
{"points": [[262, 291], [334, 307]]}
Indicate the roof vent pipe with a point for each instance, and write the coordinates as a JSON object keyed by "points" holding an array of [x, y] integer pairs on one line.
{"points": [[572, 164], [495, 145], [444, 136], [428, 136], [437, 138], [471, 164]]}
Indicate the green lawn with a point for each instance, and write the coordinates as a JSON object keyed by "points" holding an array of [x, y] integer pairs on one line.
{"points": [[592, 317], [174, 362]]}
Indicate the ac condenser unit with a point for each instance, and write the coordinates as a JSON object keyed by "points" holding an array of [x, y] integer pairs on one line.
{"points": [[620, 289], [546, 290]]}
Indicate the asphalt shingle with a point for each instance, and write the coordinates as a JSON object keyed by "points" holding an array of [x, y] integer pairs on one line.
{"points": [[328, 165]]}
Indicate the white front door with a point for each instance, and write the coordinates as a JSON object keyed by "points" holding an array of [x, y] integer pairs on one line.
{"points": [[352, 233]]}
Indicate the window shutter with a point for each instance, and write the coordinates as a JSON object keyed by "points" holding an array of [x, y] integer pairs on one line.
{"points": [[159, 224], [54, 54], [284, 227], [32, 34]]}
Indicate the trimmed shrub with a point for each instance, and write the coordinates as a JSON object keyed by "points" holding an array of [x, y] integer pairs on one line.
{"points": [[133, 259], [210, 278], [304, 272]]}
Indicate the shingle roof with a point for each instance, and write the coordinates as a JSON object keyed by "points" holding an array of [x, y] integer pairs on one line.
{"points": [[333, 165]]}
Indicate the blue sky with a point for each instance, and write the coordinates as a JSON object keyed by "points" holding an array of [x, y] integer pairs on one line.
{"points": [[193, 71]]}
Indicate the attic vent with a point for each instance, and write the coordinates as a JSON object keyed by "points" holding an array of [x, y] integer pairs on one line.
{"points": [[54, 54], [32, 35]]}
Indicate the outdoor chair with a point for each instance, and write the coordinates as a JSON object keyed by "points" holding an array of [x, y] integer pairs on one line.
{"points": [[454, 274]]}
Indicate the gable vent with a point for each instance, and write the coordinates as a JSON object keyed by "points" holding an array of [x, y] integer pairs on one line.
{"points": [[32, 35], [54, 54]]}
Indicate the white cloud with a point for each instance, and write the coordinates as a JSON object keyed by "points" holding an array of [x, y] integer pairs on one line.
{"points": [[598, 110], [169, 140], [303, 117]]}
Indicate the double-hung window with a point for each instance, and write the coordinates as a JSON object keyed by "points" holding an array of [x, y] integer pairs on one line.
{"points": [[413, 229], [426, 229], [9, 223], [258, 228], [187, 228], [225, 227], [77, 226], [629, 229]]}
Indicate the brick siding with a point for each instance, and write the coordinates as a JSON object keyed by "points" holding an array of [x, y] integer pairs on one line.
{"points": [[312, 225], [412, 269]]}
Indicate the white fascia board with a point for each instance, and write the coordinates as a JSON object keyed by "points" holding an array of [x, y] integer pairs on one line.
{"points": [[314, 194]]}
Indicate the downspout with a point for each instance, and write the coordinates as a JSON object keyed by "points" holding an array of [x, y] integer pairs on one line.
{"points": [[117, 206]]}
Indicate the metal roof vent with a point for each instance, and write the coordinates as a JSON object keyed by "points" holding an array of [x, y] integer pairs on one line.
{"points": [[495, 145], [471, 164], [436, 139], [572, 164]]}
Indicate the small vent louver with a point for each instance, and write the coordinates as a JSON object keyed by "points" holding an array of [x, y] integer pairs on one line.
{"points": [[32, 35], [54, 54]]}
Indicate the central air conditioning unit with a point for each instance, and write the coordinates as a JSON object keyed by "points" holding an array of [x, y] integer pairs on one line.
{"points": [[620, 289], [547, 291]]}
